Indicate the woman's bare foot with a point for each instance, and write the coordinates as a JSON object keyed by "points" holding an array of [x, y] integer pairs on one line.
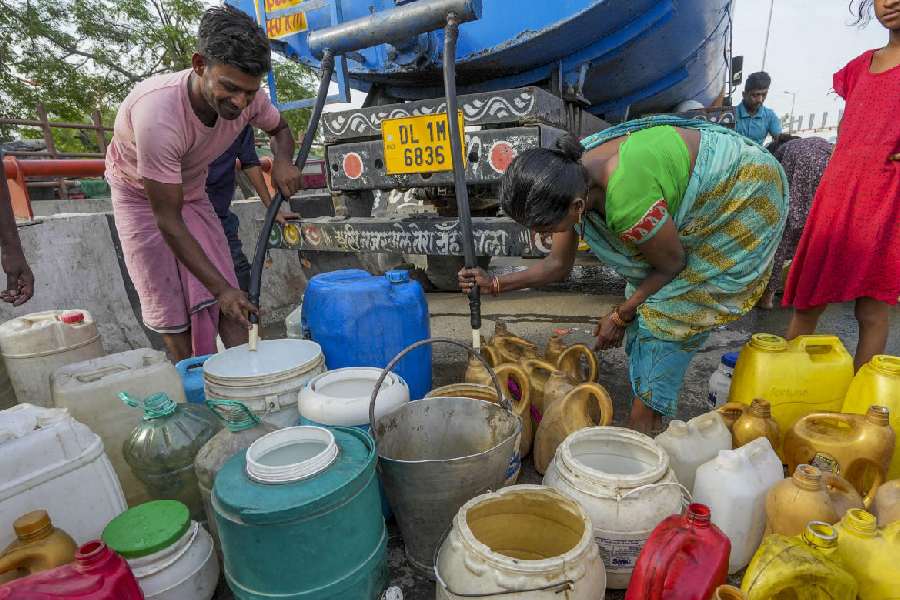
{"points": [[767, 302], [643, 418]]}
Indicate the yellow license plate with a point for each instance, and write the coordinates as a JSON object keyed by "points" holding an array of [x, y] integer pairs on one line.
{"points": [[419, 144]]}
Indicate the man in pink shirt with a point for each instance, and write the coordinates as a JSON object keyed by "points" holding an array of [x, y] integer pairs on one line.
{"points": [[168, 129]]}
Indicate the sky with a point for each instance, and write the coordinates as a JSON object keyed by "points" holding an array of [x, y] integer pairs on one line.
{"points": [[809, 41]]}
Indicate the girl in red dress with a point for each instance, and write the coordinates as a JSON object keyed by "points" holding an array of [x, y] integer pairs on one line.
{"points": [[850, 248]]}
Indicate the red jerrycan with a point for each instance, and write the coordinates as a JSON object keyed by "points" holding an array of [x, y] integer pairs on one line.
{"points": [[98, 573], [685, 558]]}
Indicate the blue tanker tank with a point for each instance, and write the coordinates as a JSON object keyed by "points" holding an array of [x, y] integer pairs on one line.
{"points": [[620, 56]]}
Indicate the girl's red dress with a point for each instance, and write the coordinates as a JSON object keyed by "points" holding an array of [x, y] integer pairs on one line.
{"points": [[850, 246]]}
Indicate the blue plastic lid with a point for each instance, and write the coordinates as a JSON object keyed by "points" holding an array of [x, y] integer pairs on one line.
{"points": [[730, 359], [397, 276]]}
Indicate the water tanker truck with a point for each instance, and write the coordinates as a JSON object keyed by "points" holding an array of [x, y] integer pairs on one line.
{"points": [[524, 72]]}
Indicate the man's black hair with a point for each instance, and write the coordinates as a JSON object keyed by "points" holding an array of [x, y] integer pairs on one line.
{"points": [[229, 37], [758, 81]]}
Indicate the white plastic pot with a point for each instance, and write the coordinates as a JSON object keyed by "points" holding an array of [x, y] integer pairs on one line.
{"points": [[521, 542], [733, 485], [341, 397], [186, 570], [267, 380], [623, 481]]}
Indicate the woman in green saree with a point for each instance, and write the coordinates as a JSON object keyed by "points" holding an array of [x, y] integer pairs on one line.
{"points": [[689, 213]]}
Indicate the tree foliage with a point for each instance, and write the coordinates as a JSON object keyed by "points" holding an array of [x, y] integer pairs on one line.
{"points": [[78, 56]]}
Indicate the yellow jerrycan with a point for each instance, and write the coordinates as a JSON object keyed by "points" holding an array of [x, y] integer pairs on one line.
{"points": [[750, 422], [808, 374], [807, 495], [480, 386], [39, 546], [510, 347], [577, 360], [886, 506], [870, 554], [856, 447], [878, 382], [801, 567], [585, 405]]}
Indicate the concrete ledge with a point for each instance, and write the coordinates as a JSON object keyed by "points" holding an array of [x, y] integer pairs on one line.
{"points": [[77, 262]]}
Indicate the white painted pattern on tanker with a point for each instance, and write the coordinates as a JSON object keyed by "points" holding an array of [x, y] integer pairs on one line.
{"points": [[475, 110], [442, 238]]}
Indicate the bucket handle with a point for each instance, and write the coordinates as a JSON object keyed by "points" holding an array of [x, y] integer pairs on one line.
{"points": [[504, 401], [567, 585]]}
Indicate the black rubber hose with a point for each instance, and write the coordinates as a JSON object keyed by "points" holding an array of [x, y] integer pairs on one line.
{"points": [[451, 33], [262, 244]]}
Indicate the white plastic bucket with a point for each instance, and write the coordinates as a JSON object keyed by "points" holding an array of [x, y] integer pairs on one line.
{"points": [[89, 391], [291, 454], [35, 345], [186, 570], [53, 462], [623, 481], [341, 397], [523, 541], [267, 380]]}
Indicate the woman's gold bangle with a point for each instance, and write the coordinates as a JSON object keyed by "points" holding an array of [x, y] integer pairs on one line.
{"points": [[617, 319], [495, 285]]}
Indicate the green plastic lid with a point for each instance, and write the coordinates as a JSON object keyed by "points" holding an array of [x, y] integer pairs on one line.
{"points": [[147, 528]]}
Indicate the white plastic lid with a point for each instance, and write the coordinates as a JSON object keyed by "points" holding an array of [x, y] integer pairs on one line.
{"points": [[270, 358], [291, 454]]}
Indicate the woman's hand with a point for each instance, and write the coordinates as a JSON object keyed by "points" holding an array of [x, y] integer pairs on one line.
{"points": [[234, 304], [894, 157], [19, 278], [471, 277], [609, 335]]}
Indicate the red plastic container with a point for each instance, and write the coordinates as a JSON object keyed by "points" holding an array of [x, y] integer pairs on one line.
{"points": [[98, 573], [685, 558]]}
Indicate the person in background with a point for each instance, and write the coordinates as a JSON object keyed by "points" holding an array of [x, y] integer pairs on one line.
{"points": [[689, 213], [167, 131], [19, 278], [220, 186], [850, 248], [804, 161], [754, 120]]}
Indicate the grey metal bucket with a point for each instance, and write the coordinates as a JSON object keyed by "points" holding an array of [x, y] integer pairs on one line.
{"points": [[435, 455]]}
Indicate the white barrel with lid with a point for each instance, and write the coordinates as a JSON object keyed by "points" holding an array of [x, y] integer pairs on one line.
{"points": [[170, 555], [623, 481], [267, 380], [53, 462], [89, 390], [35, 345], [341, 397], [523, 541]]}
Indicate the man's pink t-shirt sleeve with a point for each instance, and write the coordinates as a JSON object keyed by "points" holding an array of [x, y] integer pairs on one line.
{"points": [[263, 114], [159, 142]]}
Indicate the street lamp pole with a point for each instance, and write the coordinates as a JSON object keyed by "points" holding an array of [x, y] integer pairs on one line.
{"points": [[793, 104], [768, 31]]}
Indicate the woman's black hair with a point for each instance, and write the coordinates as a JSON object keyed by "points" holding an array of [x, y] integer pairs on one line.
{"points": [[229, 37], [780, 141], [863, 11], [541, 183]]}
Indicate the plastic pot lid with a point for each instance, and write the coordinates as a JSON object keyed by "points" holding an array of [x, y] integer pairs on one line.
{"points": [[270, 358], [147, 528]]}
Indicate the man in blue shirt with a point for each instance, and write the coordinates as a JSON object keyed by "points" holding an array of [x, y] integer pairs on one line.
{"points": [[220, 184], [754, 120]]}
